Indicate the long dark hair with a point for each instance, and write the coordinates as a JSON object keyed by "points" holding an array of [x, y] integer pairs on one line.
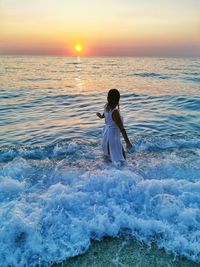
{"points": [[113, 99]]}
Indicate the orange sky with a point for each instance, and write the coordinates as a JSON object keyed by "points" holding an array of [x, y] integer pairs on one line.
{"points": [[102, 27]]}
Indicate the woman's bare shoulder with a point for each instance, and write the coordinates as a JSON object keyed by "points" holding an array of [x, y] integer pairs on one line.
{"points": [[115, 113]]}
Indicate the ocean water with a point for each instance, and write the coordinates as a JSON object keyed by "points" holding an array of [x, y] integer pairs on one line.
{"points": [[57, 193]]}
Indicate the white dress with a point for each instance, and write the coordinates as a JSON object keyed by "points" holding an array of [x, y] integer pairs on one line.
{"points": [[111, 143]]}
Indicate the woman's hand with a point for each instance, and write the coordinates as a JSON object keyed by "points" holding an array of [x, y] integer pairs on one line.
{"points": [[99, 115], [128, 145]]}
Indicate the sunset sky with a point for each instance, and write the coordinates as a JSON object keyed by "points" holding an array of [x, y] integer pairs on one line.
{"points": [[100, 27]]}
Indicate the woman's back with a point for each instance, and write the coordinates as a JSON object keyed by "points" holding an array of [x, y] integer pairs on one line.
{"points": [[108, 118]]}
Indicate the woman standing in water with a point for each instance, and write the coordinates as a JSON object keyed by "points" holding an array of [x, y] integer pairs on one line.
{"points": [[111, 143]]}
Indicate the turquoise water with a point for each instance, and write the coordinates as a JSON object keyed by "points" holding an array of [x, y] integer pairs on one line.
{"points": [[56, 191]]}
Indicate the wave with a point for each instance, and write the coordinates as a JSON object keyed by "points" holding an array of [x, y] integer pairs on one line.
{"points": [[193, 79], [192, 73], [65, 147], [151, 75], [40, 79], [188, 103], [74, 63], [165, 144], [50, 212]]}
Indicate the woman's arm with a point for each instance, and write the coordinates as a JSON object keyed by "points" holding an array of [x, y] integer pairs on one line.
{"points": [[117, 119], [99, 115]]}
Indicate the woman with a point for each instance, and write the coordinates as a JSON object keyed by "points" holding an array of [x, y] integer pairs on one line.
{"points": [[111, 143]]}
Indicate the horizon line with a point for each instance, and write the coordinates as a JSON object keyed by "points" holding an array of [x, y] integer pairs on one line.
{"points": [[93, 56]]}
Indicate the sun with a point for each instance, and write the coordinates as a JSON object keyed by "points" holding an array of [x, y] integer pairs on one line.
{"points": [[78, 48]]}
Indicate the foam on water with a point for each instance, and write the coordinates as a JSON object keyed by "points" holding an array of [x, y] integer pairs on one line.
{"points": [[51, 209]]}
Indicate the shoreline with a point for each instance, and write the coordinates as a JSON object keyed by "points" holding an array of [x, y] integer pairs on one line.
{"points": [[125, 252]]}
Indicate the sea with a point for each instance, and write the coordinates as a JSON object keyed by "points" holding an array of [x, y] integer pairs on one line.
{"points": [[59, 197]]}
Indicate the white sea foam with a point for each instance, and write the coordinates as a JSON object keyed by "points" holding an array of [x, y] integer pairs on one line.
{"points": [[68, 149], [50, 212], [10, 188]]}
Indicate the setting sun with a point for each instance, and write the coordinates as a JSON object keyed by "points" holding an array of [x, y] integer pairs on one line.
{"points": [[78, 48]]}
